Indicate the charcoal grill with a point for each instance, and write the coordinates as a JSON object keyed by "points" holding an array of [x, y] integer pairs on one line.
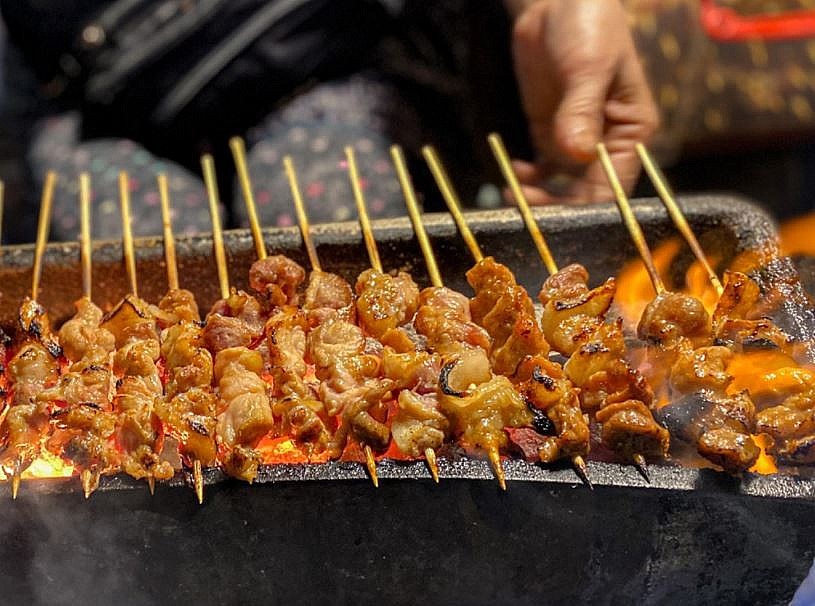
{"points": [[321, 534]]}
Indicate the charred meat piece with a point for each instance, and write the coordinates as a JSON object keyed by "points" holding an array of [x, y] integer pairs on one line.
{"points": [[385, 303], [479, 417], [328, 295], [701, 368], [546, 389], [276, 279], [737, 320], [32, 369], [81, 338], [629, 428], [294, 400], [417, 371], [345, 371], [720, 426], [671, 316], [351, 383], [233, 322], [617, 394], [245, 410], [571, 310], [187, 362], [180, 305], [791, 426], [83, 422], [505, 311], [444, 320], [418, 424], [599, 369], [188, 408], [138, 430]]}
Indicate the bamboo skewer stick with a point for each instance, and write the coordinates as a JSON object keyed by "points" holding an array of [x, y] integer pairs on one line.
{"points": [[454, 205], [238, 148], [89, 478], [302, 217], [127, 233], [412, 204], [208, 168], [362, 210], [172, 282], [452, 200], [305, 231], [502, 156], [169, 238], [373, 256], [85, 233], [43, 226], [630, 219], [432, 266], [130, 260], [681, 223], [638, 237]]}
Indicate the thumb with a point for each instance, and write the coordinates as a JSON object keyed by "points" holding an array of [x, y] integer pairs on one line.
{"points": [[579, 118]]}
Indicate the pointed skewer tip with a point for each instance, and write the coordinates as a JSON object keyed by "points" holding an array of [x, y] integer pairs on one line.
{"points": [[495, 461], [15, 483], [198, 481], [90, 482], [432, 464], [642, 466], [151, 484], [370, 463], [582, 470]]}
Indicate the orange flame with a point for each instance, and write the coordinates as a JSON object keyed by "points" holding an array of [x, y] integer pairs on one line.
{"points": [[634, 288]]}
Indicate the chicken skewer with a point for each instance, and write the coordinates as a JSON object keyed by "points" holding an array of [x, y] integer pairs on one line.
{"points": [[84, 422], [385, 303], [495, 289], [136, 364], [479, 404], [245, 413], [573, 321], [788, 424], [367, 387], [683, 332], [34, 366], [188, 407], [294, 397]]}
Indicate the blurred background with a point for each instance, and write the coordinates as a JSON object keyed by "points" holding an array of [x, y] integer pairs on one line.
{"points": [[734, 80]]}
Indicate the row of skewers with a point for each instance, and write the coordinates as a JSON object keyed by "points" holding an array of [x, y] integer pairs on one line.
{"points": [[383, 368]]}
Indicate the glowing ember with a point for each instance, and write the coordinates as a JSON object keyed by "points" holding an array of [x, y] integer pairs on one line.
{"points": [[46, 466], [285, 450], [765, 464]]}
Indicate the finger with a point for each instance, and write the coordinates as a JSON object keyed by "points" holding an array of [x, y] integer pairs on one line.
{"points": [[527, 172], [535, 196], [579, 119]]}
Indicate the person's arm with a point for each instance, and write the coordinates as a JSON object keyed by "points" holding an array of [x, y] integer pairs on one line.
{"points": [[581, 82]]}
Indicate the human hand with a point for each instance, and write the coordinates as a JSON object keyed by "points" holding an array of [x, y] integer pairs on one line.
{"points": [[581, 83]]}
